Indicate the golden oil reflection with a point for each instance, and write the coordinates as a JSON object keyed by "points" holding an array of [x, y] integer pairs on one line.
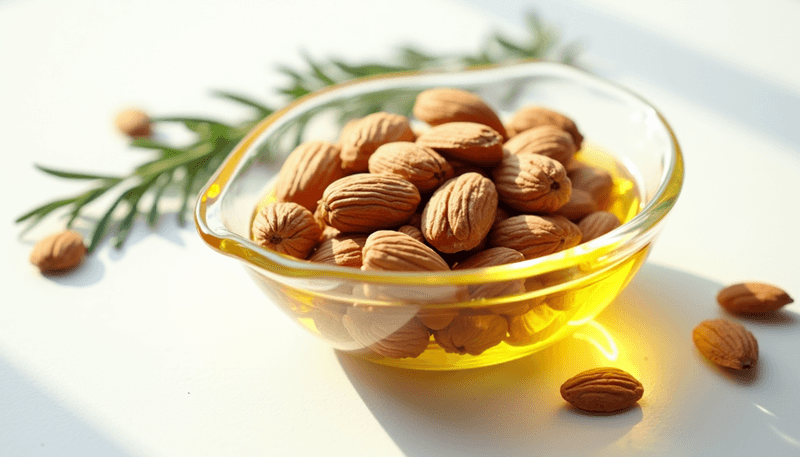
{"points": [[595, 334], [788, 439]]}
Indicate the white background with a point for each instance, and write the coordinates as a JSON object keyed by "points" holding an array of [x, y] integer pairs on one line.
{"points": [[166, 348]]}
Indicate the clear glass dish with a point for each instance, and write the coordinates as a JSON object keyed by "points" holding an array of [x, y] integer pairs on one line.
{"points": [[562, 290]]}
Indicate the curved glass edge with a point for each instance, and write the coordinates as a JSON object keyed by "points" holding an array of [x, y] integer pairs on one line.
{"points": [[219, 238]]}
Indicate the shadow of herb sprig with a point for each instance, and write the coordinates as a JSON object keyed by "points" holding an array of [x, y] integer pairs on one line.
{"points": [[183, 170]]}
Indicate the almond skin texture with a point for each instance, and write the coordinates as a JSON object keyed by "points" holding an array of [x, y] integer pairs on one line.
{"points": [[535, 236], [465, 141], [413, 232], [421, 166], [309, 169], [602, 390], [472, 334], [388, 250], [597, 224], [580, 205], [596, 181], [58, 252], [489, 258], [532, 183], [365, 202], [726, 343], [287, 228], [534, 116], [546, 140], [443, 105], [386, 334], [753, 298], [361, 137], [342, 250], [460, 213]]}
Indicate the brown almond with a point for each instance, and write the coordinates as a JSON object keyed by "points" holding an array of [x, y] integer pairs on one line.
{"points": [[413, 232], [489, 258], [365, 202], [361, 137], [535, 236], [525, 328], [597, 224], [420, 166], [443, 105], [580, 205], [472, 334], [726, 343], [602, 390], [287, 228], [534, 116], [342, 250], [58, 252], [460, 213], [465, 141], [753, 298], [388, 250], [546, 140], [389, 335], [309, 169], [134, 123], [596, 181], [532, 183]]}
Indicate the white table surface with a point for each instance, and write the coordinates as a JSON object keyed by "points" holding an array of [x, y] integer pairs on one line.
{"points": [[138, 353]]}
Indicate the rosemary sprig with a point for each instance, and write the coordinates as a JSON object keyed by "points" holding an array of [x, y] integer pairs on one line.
{"points": [[185, 169]]}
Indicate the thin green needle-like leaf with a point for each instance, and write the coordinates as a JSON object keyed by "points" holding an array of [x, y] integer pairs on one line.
{"points": [[263, 109], [72, 174], [45, 209], [318, 72], [84, 200], [187, 195], [152, 216], [102, 225]]}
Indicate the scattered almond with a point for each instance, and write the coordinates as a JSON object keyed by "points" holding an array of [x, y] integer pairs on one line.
{"points": [[309, 169], [472, 334], [753, 298], [421, 166], [59, 252], [580, 205], [134, 123], [532, 183], [726, 343], [596, 181], [342, 250], [602, 390], [546, 140], [360, 138], [535, 236]]}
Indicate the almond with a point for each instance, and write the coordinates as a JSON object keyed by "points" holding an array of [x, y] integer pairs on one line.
{"points": [[597, 224], [394, 251], [546, 140], [532, 183], [421, 166], [465, 141], [309, 169], [287, 228], [524, 329], [342, 250], [413, 232], [534, 116], [472, 334], [443, 105], [58, 252], [365, 202], [602, 390], [388, 334], [580, 205], [726, 343], [596, 181], [134, 123], [460, 213], [535, 236], [493, 257], [361, 137], [753, 298]]}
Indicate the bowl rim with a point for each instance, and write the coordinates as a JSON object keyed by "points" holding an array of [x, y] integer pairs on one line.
{"points": [[231, 244]]}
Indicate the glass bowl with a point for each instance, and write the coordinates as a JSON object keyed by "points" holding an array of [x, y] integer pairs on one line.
{"points": [[375, 315]]}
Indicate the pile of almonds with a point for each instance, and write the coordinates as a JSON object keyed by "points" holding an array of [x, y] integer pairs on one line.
{"points": [[465, 191]]}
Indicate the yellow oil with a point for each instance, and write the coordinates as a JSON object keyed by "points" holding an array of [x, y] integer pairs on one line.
{"points": [[567, 310]]}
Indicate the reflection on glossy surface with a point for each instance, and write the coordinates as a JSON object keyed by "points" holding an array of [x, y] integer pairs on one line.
{"points": [[600, 338]]}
